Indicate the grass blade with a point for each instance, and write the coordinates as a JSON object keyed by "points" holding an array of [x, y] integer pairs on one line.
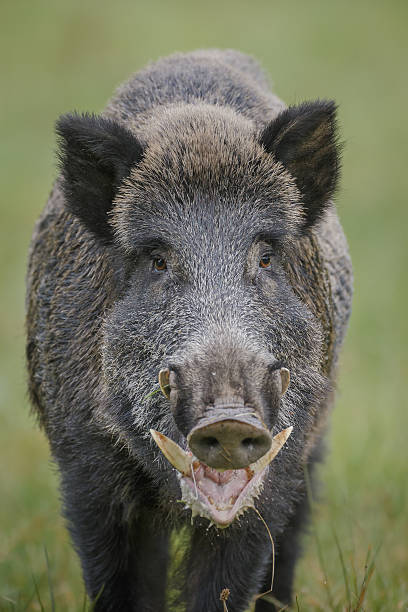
{"points": [[10, 601], [50, 588], [84, 602], [38, 593], [343, 567], [152, 393], [369, 568], [95, 601], [317, 540]]}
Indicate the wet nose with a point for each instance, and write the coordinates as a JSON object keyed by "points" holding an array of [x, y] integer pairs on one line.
{"points": [[229, 444]]}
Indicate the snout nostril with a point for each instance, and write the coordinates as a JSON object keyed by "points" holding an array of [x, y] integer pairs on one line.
{"points": [[248, 443], [210, 442], [252, 445]]}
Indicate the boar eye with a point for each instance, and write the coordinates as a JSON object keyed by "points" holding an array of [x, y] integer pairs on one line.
{"points": [[159, 264], [265, 261]]}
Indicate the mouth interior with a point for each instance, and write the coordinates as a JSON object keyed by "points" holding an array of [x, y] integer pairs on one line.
{"points": [[220, 496]]}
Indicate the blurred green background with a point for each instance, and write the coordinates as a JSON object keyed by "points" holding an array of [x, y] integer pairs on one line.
{"points": [[59, 56]]}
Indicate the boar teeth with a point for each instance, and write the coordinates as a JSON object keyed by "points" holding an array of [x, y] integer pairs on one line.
{"points": [[285, 380], [164, 382], [177, 457], [277, 442]]}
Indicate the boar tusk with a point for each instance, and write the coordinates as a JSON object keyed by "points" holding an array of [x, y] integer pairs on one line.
{"points": [[277, 442], [164, 383], [181, 460], [285, 380], [173, 453]]}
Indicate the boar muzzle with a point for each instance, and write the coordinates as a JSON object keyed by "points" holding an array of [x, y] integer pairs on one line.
{"points": [[230, 439], [229, 434]]}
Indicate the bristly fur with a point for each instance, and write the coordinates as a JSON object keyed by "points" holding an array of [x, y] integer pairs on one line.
{"points": [[304, 138], [196, 162]]}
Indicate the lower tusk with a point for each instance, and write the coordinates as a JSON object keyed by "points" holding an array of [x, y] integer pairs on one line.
{"points": [[277, 442], [164, 383], [173, 453], [285, 380]]}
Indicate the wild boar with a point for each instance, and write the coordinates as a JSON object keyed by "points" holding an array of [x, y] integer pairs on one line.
{"points": [[191, 233]]}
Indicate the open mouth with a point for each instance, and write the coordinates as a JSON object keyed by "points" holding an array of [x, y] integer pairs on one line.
{"points": [[221, 496]]}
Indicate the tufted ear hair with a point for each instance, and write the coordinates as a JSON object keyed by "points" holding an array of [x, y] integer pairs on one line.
{"points": [[304, 139], [95, 155]]}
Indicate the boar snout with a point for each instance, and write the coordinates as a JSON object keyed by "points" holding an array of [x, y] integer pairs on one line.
{"points": [[225, 402], [229, 443]]}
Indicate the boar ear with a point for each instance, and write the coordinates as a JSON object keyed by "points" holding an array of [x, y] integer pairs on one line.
{"points": [[304, 139], [95, 154]]}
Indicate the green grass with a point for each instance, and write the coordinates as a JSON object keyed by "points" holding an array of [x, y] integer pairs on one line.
{"points": [[59, 56]]}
